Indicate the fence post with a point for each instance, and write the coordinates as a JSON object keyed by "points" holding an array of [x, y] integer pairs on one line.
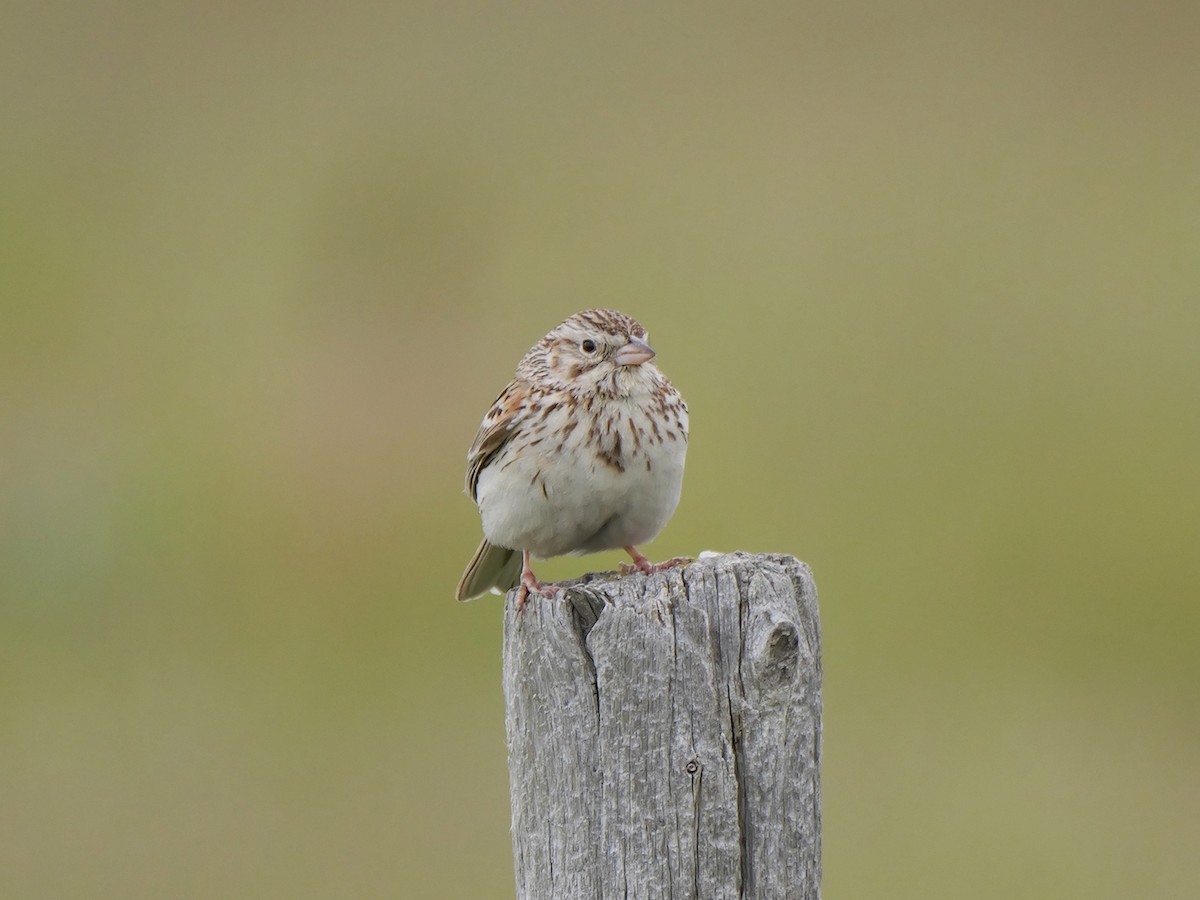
{"points": [[664, 735]]}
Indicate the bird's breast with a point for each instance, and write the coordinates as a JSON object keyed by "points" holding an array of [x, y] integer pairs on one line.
{"points": [[586, 479]]}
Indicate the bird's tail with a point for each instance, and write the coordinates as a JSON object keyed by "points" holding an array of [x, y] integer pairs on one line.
{"points": [[492, 568]]}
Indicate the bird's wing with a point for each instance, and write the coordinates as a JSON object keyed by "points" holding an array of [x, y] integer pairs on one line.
{"points": [[495, 432]]}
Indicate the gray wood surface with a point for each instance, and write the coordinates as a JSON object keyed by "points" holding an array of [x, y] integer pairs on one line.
{"points": [[664, 734]]}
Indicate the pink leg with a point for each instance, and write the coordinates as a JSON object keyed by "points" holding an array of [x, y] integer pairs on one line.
{"points": [[641, 564], [529, 583]]}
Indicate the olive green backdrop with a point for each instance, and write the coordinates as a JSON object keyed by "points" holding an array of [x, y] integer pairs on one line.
{"points": [[928, 275]]}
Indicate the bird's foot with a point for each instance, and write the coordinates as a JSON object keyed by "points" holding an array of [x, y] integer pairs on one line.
{"points": [[641, 564], [531, 585]]}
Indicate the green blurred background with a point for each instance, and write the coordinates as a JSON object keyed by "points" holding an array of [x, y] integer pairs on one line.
{"points": [[928, 276]]}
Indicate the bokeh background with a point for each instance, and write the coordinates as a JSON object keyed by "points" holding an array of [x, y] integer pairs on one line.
{"points": [[928, 275]]}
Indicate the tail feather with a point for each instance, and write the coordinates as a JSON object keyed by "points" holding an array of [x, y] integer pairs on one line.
{"points": [[492, 568]]}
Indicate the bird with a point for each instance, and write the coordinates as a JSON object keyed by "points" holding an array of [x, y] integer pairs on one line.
{"points": [[583, 451]]}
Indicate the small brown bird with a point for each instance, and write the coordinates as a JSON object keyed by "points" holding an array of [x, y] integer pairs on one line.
{"points": [[582, 452]]}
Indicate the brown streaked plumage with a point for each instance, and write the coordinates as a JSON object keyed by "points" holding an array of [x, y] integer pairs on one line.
{"points": [[583, 451]]}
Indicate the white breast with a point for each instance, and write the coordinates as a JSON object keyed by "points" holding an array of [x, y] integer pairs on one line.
{"points": [[574, 495]]}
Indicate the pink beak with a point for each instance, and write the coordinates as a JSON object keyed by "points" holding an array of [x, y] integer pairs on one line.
{"points": [[634, 353]]}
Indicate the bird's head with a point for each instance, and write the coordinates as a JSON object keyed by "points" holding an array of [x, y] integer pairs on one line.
{"points": [[597, 351]]}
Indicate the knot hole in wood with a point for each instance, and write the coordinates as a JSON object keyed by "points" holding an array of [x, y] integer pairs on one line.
{"points": [[778, 655]]}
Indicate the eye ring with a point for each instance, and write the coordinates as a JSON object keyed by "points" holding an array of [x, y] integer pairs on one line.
{"points": [[587, 345]]}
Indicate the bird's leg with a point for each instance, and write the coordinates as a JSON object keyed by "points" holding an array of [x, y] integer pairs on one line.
{"points": [[641, 564], [529, 583]]}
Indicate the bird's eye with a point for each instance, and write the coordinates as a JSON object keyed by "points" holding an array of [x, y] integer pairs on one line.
{"points": [[587, 345]]}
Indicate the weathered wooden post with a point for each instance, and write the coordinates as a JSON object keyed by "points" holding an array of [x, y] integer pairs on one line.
{"points": [[664, 735]]}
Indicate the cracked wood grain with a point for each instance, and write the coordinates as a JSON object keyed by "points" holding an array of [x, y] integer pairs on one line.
{"points": [[664, 735]]}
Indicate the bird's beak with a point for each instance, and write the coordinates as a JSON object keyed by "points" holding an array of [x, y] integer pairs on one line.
{"points": [[634, 353]]}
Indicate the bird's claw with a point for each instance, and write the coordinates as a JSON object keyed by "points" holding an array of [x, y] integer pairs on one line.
{"points": [[643, 565], [531, 585]]}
